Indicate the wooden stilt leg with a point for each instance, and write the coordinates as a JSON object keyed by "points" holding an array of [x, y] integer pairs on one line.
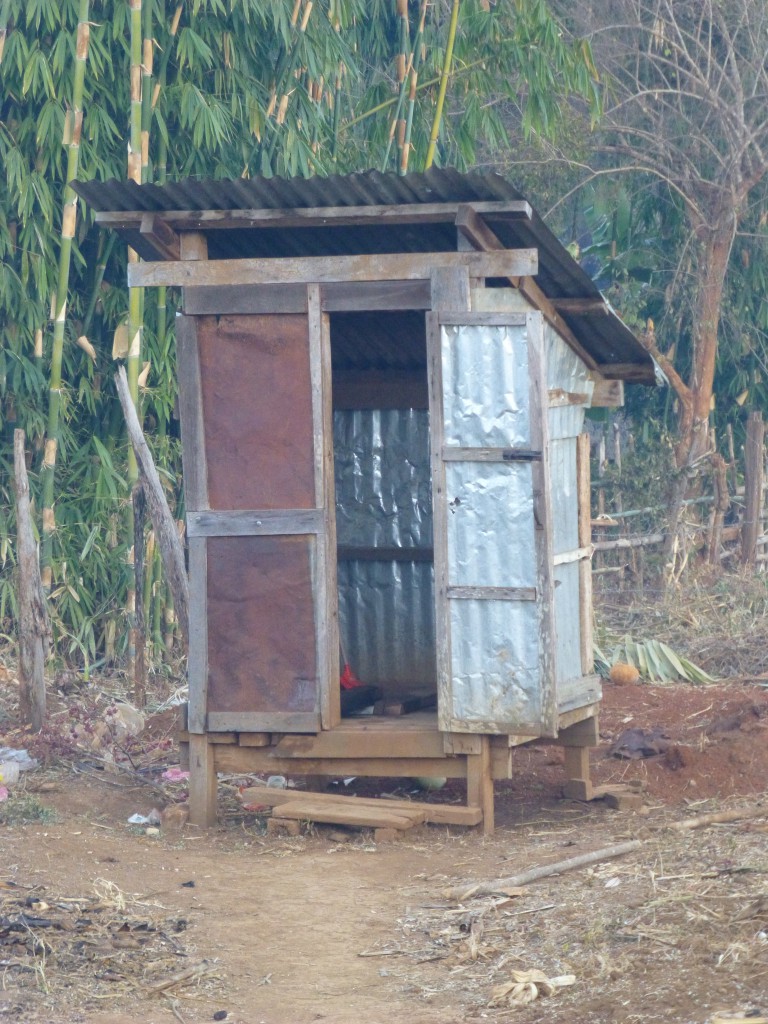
{"points": [[480, 784], [202, 782], [578, 785]]}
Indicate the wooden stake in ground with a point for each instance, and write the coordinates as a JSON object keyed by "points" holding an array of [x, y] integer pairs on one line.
{"points": [[162, 520], [34, 625], [753, 487], [468, 889]]}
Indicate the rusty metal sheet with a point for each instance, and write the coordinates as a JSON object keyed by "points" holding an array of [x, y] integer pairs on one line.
{"points": [[261, 625], [257, 411]]}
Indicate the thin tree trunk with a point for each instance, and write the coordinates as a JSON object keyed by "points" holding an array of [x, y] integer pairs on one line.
{"points": [[162, 520], [140, 639], [753, 488], [34, 626]]}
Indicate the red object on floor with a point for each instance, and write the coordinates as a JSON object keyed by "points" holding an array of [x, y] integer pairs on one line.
{"points": [[348, 679]]}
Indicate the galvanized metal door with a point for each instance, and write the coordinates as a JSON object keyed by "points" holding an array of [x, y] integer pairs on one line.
{"points": [[258, 467], [493, 539]]}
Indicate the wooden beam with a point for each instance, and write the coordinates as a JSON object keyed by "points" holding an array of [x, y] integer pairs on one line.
{"points": [[581, 306], [161, 236], [326, 216], [584, 512], [255, 523], [202, 782], [607, 394], [368, 296], [262, 759], [380, 389], [471, 224], [324, 269], [632, 372]]}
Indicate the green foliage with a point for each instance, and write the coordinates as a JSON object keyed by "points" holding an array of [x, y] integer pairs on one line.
{"points": [[244, 88], [23, 809]]}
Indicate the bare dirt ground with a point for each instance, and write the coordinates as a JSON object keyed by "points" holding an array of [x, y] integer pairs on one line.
{"points": [[105, 924]]}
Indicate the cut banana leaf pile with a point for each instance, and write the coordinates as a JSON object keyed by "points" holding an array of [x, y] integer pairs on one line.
{"points": [[655, 661]]}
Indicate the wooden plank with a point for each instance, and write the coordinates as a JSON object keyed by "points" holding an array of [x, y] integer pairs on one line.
{"points": [[451, 814], [353, 553], [239, 299], [368, 296], [482, 319], [256, 523], [584, 505], [754, 456], [254, 739], [460, 743], [480, 784], [197, 669], [408, 705], [633, 372], [261, 759], [326, 589], [607, 394], [159, 234], [455, 454], [585, 733], [542, 522], [213, 737], [345, 812], [202, 781], [581, 306], [328, 216], [470, 222], [193, 246], [336, 297], [491, 593], [450, 283], [567, 557], [558, 398], [267, 721], [343, 743], [322, 269], [191, 414]]}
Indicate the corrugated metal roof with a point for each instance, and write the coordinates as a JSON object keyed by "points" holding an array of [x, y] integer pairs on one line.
{"points": [[605, 337]]}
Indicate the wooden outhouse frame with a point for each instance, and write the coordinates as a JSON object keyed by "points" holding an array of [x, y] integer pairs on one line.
{"points": [[500, 271]]}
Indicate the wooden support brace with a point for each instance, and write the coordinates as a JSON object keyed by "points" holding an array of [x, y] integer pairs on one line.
{"points": [[480, 784], [202, 782]]}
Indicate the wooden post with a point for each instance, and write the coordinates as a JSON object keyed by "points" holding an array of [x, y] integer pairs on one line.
{"points": [[753, 487], [34, 625], [720, 483], [139, 622], [202, 782], [480, 784], [584, 499]]}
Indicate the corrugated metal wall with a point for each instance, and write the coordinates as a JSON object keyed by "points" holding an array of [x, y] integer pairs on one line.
{"points": [[384, 499]]}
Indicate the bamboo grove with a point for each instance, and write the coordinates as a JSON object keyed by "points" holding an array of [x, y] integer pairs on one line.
{"points": [[158, 90]]}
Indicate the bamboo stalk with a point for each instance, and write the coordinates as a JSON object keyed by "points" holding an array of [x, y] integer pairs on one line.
{"points": [[412, 89], [72, 132], [448, 60], [469, 889], [5, 11]]}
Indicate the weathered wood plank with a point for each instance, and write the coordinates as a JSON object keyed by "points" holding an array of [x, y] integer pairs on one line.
{"points": [[454, 454], [584, 504], [350, 553], [346, 812], [329, 216], [322, 269], [202, 782], [256, 523], [480, 784], [607, 393], [577, 555], [482, 319], [197, 668], [452, 814], [260, 759], [257, 721], [326, 589], [491, 593], [342, 743], [191, 414], [160, 235]]}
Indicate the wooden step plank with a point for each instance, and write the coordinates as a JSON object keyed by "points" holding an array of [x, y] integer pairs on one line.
{"points": [[345, 812], [443, 814]]}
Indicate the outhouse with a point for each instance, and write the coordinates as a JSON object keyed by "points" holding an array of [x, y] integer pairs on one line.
{"points": [[382, 386]]}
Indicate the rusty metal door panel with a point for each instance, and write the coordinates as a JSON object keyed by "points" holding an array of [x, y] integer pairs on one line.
{"points": [[261, 625], [257, 411]]}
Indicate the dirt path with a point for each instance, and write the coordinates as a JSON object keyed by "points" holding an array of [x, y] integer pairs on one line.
{"points": [[298, 930]]}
